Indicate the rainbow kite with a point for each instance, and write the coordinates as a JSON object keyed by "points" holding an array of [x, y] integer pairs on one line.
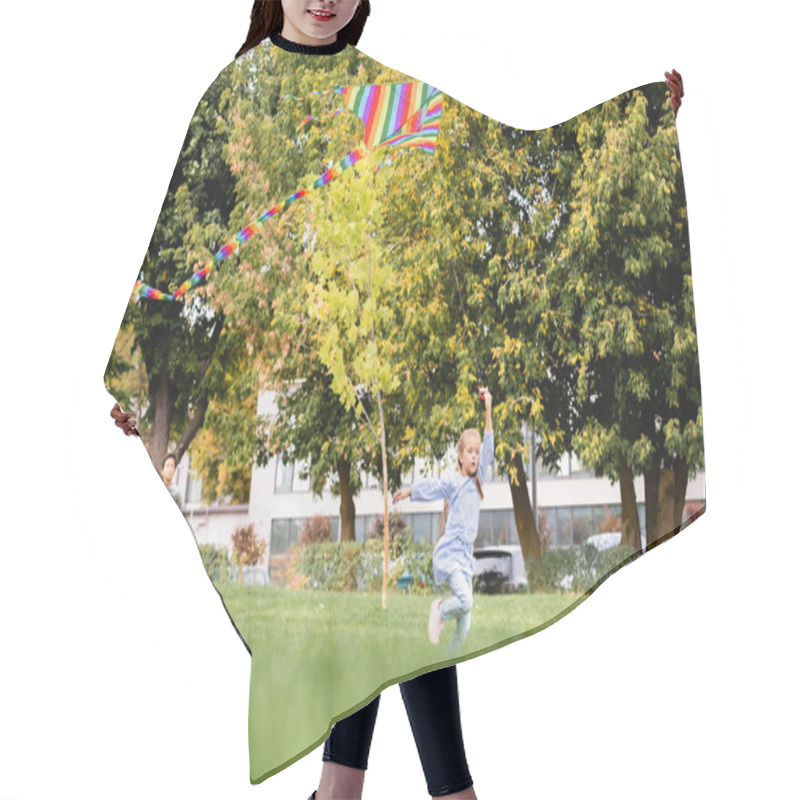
{"points": [[395, 114]]}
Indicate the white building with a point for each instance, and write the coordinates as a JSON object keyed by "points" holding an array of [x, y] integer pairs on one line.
{"points": [[573, 501]]}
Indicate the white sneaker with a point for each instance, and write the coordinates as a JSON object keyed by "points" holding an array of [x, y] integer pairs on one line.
{"points": [[435, 621]]}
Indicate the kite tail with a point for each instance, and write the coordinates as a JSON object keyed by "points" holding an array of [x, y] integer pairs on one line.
{"points": [[405, 115], [141, 289]]}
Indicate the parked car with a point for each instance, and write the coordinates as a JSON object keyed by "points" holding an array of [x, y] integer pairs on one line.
{"points": [[602, 541], [499, 570]]}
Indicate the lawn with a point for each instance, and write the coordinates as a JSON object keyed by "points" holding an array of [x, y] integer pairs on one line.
{"points": [[319, 656]]}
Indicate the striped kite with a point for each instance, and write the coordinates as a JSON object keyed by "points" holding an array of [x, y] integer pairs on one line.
{"points": [[395, 114]]}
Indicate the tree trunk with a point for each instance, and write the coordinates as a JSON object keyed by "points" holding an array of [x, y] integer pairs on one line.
{"points": [[666, 503], [651, 488], [631, 530], [523, 513], [195, 423], [347, 507], [162, 417], [671, 499]]}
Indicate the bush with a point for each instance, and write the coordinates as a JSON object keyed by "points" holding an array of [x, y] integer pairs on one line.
{"points": [[248, 549], [316, 529], [216, 561], [370, 565], [417, 561], [349, 566], [330, 565], [574, 569], [397, 531]]}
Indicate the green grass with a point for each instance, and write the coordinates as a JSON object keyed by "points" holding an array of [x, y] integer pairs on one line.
{"points": [[299, 617], [319, 656]]}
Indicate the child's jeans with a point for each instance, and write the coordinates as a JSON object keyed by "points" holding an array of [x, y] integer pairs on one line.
{"points": [[459, 608]]}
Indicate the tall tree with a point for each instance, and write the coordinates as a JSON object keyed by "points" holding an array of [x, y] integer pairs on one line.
{"points": [[620, 283], [492, 217], [178, 342], [265, 294], [350, 301]]}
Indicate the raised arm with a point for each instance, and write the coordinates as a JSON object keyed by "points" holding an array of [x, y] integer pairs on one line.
{"points": [[487, 446]]}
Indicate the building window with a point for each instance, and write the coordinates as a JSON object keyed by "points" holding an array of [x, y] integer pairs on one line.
{"points": [[423, 527], [506, 527], [562, 536], [301, 484], [279, 537], [284, 534], [484, 537], [582, 526], [284, 472]]}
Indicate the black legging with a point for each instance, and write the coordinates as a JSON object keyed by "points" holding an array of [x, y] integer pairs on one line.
{"points": [[432, 706]]}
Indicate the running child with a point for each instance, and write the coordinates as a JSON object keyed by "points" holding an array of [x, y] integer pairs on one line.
{"points": [[453, 562]]}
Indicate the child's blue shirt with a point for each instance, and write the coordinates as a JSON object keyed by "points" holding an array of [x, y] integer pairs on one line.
{"points": [[454, 550]]}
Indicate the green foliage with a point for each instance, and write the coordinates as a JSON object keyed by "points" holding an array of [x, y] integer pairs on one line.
{"points": [[248, 548], [619, 301], [315, 529], [397, 531], [332, 566], [574, 569], [125, 376], [216, 562], [311, 250], [417, 561], [349, 566]]}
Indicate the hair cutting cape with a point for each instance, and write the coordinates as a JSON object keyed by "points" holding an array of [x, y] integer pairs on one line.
{"points": [[344, 255]]}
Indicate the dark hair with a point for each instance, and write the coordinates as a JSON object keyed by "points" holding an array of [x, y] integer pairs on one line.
{"points": [[266, 18], [167, 457]]}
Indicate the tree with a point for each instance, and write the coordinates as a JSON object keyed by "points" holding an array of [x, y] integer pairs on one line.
{"points": [[491, 215], [248, 548], [265, 296], [620, 287], [350, 303], [177, 342]]}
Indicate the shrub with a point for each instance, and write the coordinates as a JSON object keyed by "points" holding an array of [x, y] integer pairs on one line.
{"points": [[348, 566], [248, 548], [370, 565], [216, 561], [316, 529], [397, 531], [575, 569], [416, 559], [330, 565]]}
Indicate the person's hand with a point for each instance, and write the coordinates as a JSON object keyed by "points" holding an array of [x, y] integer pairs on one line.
{"points": [[675, 83], [484, 392], [123, 420], [401, 495]]}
